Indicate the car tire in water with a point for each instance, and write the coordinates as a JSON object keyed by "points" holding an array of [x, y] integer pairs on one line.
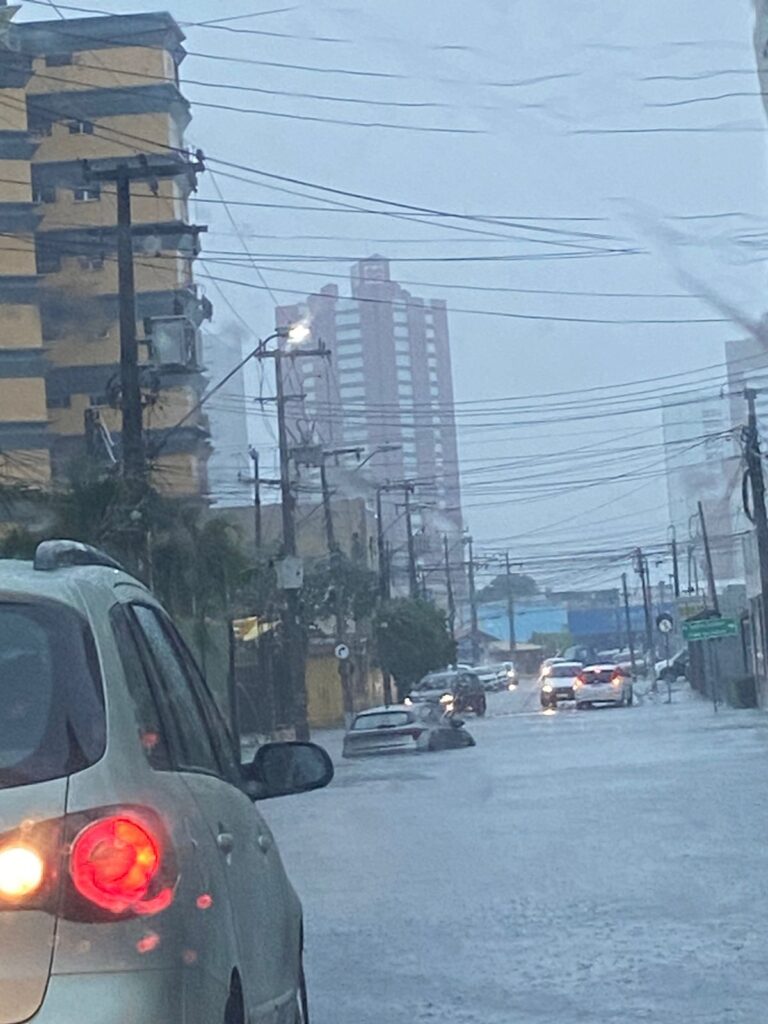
{"points": [[481, 707], [630, 697]]}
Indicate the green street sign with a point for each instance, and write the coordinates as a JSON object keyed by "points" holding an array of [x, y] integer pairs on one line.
{"points": [[710, 629]]}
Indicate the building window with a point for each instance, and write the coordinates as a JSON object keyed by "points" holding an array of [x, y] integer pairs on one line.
{"points": [[48, 260], [402, 359], [44, 194], [58, 60], [354, 377], [350, 361], [80, 127], [87, 194]]}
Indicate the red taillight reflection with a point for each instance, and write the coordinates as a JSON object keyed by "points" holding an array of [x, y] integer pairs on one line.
{"points": [[113, 864]]}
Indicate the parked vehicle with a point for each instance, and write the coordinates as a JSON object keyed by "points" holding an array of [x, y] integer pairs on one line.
{"points": [[497, 677], [675, 668], [603, 684], [456, 691], [137, 879], [400, 728], [557, 681]]}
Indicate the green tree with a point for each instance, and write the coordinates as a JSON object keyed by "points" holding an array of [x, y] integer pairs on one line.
{"points": [[496, 590], [412, 639], [339, 579]]}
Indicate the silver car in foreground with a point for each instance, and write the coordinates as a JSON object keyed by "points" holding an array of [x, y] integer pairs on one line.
{"points": [[603, 684], [138, 881], [401, 728]]}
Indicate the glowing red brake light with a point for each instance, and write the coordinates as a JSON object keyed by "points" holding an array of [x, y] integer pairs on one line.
{"points": [[115, 864]]}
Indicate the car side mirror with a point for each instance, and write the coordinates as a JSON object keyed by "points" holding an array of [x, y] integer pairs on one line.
{"points": [[282, 769]]}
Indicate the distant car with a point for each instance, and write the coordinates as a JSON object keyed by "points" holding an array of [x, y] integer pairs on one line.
{"points": [[549, 661], [557, 681], [400, 728], [603, 684], [676, 667], [497, 677], [457, 691]]}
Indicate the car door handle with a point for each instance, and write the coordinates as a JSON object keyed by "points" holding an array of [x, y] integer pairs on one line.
{"points": [[225, 842], [264, 842]]}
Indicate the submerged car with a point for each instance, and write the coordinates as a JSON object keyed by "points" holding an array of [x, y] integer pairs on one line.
{"points": [[603, 684], [497, 677], [557, 681], [455, 691], [400, 727], [138, 880]]}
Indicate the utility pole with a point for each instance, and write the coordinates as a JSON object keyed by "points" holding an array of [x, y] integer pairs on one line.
{"points": [[474, 627], [510, 605], [449, 589], [294, 640], [383, 569], [708, 557], [757, 484], [413, 579], [256, 498], [642, 569], [628, 620], [675, 564], [122, 175]]}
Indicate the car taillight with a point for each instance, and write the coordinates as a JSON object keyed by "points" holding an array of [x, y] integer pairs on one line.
{"points": [[616, 680], [116, 863], [22, 871]]}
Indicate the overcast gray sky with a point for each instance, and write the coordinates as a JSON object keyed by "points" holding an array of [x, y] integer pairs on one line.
{"points": [[537, 90]]}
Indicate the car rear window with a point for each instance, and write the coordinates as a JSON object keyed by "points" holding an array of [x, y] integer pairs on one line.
{"points": [[52, 722], [434, 682], [383, 720], [603, 675], [563, 671]]}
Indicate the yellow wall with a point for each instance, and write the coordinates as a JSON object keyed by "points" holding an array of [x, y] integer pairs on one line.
{"points": [[179, 475], [77, 351], [104, 69], [22, 466], [22, 400], [146, 208], [15, 181], [13, 110], [151, 274], [114, 136], [325, 705], [20, 327], [17, 255]]}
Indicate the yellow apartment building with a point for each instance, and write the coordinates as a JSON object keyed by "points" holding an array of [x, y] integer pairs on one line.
{"points": [[103, 90]]}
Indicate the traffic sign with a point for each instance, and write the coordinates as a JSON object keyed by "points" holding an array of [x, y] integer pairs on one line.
{"points": [[709, 629], [665, 623], [341, 651]]}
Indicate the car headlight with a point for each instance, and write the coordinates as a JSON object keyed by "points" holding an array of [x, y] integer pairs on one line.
{"points": [[408, 702], [512, 686], [546, 688], [446, 699]]}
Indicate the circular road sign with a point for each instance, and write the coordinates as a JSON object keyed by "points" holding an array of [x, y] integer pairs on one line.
{"points": [[665, 623], [341, 651]]}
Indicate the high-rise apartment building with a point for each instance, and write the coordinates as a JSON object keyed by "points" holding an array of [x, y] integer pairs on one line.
{"points": [[105, 90], [387, 382]]}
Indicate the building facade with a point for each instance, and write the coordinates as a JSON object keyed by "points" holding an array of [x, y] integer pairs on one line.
{"points": [[386, 383], [105, 90]]}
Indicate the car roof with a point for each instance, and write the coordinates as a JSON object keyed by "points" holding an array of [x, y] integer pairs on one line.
{"points": [[384, 707], [566, 664], [601, 667], [67, 584]]}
